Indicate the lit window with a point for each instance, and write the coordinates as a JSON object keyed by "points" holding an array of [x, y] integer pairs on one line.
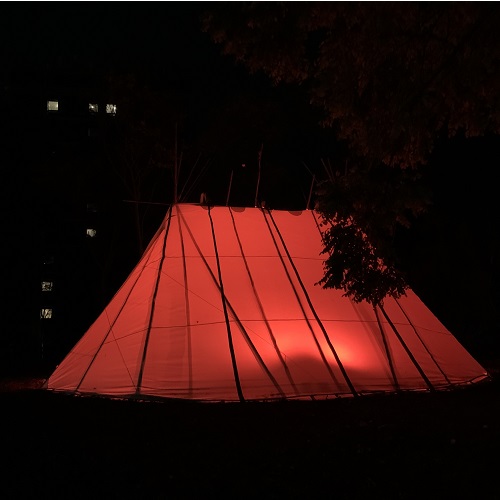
{"points": [[45, 313], [47, 286], [52, 105], [111, 109], [93, 108], [91, 233]]}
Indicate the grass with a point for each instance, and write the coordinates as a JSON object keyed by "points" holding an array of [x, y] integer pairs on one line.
{"points": [[408, 446]]}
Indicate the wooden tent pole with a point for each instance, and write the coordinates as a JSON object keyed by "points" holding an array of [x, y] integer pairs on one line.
{"points": [[176, 166], [229, 189], [407, 350], [226, 315], [310, 192], [258, 176], [387, 351]]}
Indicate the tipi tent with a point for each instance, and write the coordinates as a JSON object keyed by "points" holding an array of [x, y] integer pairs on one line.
{"points": [[224, 306]]}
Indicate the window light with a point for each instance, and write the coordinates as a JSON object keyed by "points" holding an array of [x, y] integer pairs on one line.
{"points": [[45, 313], [52, 105]]}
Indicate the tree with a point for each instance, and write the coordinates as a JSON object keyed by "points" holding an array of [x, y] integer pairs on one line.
{"points": [[357, 206], [390, 79], [136, 146]]}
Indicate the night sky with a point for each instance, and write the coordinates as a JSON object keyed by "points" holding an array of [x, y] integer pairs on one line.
{"points": [[225, 115], [225, 111]]}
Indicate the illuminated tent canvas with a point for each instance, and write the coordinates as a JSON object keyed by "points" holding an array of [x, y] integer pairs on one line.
{"points": [[224, 306]]}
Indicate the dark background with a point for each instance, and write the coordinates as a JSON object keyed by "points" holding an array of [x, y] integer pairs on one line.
{"points": [[58, 180]]}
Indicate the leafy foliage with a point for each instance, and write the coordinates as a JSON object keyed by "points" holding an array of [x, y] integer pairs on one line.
{"points": [[355, 203], [390, 79], [389, 76], [353, 265]]}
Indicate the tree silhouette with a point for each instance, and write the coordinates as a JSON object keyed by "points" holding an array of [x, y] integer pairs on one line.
{"points": [[391, 79]]}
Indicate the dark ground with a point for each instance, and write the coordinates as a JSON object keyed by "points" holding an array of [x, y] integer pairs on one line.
{"points": [[409, 446]]}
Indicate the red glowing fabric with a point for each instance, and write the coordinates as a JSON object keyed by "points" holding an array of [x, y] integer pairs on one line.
{"points": [[224, 306]]}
